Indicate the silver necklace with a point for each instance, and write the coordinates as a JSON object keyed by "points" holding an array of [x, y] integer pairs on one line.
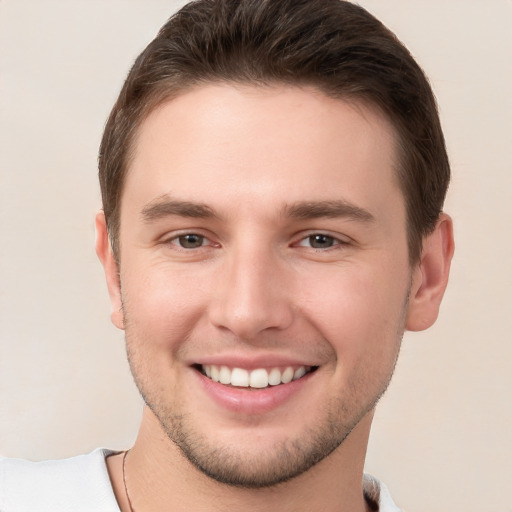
{"points": [[124, 481]]}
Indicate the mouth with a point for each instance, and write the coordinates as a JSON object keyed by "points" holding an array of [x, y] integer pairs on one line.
{"points": [[258, 378]]}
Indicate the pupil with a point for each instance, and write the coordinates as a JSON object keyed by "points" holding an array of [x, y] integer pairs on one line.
{"points": [[191, 241], [320, 241]]}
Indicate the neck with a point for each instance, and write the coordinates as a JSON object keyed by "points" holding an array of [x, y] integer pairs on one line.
{"points": [[158, 477]]}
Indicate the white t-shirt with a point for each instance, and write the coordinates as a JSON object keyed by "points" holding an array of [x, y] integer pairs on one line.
{"points": [[82, 484]]}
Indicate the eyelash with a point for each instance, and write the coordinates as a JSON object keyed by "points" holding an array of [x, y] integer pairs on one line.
{"points": [[331, 239], [181, 241], [177, 240]]}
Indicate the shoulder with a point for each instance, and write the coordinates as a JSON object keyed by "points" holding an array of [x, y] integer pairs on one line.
{"points": [[377, 495], [80, 484]]}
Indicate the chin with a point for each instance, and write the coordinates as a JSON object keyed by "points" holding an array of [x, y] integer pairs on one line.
{"points": [[256, 457]]}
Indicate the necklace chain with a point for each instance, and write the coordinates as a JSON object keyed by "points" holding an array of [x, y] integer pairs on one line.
{"points": [[124, 481]]}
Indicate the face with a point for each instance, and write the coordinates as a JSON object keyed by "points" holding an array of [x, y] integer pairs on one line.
{"points": [[264, 275]]}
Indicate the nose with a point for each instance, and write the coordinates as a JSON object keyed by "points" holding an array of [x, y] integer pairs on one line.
{"points": [[252, 294]]}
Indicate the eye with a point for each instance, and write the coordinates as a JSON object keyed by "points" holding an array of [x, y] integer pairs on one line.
{"points": [[189, 241], [319, 241]]}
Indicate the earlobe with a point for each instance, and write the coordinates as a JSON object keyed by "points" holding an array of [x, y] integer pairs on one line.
{"points": [[111, 268], [430, 276]]}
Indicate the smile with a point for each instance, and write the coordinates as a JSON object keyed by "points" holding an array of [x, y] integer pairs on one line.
{"points": [[258, 378]]}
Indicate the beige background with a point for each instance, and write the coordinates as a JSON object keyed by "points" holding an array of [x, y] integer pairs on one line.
{"points": [[442, 437]]}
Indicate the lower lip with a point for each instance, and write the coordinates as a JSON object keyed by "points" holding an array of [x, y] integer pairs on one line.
{"points": [[250, 400]]}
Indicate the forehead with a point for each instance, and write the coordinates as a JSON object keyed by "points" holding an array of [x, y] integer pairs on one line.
{"points": [[250, 141]]}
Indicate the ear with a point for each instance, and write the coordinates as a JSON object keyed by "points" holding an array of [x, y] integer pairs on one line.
{"points": [[111, 268], [430, 276]]}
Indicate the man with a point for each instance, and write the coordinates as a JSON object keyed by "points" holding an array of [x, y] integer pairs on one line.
{"points": [[273, 176]]}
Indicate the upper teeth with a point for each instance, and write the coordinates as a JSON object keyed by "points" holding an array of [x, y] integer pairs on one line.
{"points": [[259, 378]]}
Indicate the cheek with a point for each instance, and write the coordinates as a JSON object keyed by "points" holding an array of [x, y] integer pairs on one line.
{"points": [[161, 307], [360, 312]]}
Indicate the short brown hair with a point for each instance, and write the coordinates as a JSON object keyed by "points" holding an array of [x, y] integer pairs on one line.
{"points": [[333, 45]]}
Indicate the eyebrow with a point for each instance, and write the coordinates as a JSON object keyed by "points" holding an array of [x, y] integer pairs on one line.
{"points": [[164, 206], [328, 209]]}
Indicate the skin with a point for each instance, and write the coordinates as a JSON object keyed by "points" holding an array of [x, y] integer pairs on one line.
{"points": [[261, 287]]}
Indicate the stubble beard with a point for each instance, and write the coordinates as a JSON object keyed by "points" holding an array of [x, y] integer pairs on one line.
{"points": [[286, 460], [237, 468]]}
